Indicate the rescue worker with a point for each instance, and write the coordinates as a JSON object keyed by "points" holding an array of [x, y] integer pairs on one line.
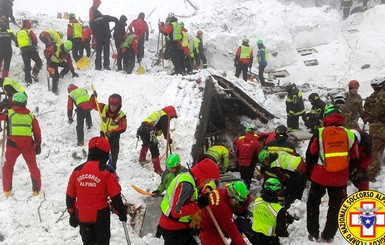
{"points": [[75, 35], [23, 137], [289, 169], [6, 37], [262, 61], [173, 31], [51, 36], [294, 106], [59, 56], [173, 168], [10, 87], [354, 105], [186, 52], [181, 202], [374, 108], [128, 51], [330, 154], [6, 12], [225, 200], [281, 142], [119, 37], [87, 198], [246, 149], [156, 124], [313, 119], [113, 122], [359, 176], [81, 99], [102, 35], [199, 54], [243, 59], [141, 30], [86, 39], [26, 40], [91, 13], [219, 154]]}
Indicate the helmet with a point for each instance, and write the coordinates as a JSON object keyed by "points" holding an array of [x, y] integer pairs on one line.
{"points": [[272, 184], [200, 32], [170, 110], [100, 143], [123, 18], [331, 109], [313, 96], [377, 82], [239, 190], [67, 45], [263, 155], [249, 129], [71, 88], [171, 14], [60, 34], [259, 41], [354, 84], [288, 85], [281, 129], [245, 40], [26, 24], [71, 16], [141, 15], [19, 99], [115, 99], [173, 161], [340, 99]]}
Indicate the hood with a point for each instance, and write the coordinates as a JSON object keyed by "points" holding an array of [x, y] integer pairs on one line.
{"points": [[170, 110], [205, 170], [334, 120]]}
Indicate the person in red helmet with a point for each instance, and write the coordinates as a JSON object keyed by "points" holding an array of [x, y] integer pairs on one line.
{"points": [[26, 40], [113, 122], [140, 28], [353, 105], [89, 189], [156, 124], [81, 99]]}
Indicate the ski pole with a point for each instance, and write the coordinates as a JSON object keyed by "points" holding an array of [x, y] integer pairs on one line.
{"points": [[126, 233]]}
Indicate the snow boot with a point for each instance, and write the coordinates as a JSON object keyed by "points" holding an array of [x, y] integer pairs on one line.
{"points": [[157, 168], [142, 156]]}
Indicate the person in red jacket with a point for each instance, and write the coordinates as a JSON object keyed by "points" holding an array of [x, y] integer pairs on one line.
{"points": [[142, 32], [359, 177], [330, 157], [79, 97], [75, 35], [86, 39], [91, 13], [90, 186], [243, 59], [113, 122], [247, 149], [181, 202], [225, 200], [23, 137]]}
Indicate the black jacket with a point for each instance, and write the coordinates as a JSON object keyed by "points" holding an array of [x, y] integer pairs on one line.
{"points": [[102, 25]]}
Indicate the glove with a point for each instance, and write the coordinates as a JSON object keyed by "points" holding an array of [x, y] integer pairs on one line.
{"points": [[74, 222], [70, 120], [37, 149], [155, 193], [357, 177], [169, 141], [51, 70], [196, 220], [204, 200], [74, 74], [123, 217], [289, 218]]}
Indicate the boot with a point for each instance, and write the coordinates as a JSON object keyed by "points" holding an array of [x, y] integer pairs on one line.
{"points": [[157, 168], [142, 156]]}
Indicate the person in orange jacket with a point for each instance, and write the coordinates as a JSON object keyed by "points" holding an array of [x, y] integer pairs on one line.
{"points": [[23, 137], [243, 59]]}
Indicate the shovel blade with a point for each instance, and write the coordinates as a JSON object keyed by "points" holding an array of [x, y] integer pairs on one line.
{"points": [[83, 62], [141, 70]]}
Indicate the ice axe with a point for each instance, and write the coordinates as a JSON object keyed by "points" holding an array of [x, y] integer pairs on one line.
{"points": [[126, 233]]}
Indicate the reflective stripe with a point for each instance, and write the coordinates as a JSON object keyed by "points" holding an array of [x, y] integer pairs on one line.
{"points": [[108, 123], [336, 154], [286, 161]]}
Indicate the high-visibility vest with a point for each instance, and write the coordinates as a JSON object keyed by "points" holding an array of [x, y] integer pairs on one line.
{"points": [[55, 36], [79, 95], [245, 52], [334, 146], [128, 41], [16, 85], [185, 39], [286, 161], [77, 30], [196, 41], [260, 57], [108, 123], [220, 154], [20, 124], [265, 217], [168, 198], [176, 31], [23, 38], [154, 117]]}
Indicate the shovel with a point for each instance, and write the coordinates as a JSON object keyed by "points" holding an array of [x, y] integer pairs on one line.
{"points": [[141, 69], [84, 61]]}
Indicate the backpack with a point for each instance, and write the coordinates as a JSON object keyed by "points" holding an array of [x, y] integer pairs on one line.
{"points": [[335, 144]]}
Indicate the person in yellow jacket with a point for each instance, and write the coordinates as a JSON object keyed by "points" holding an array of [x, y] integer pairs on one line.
{"points": [[199, 51], [51, 36], [243, 59], [220, 155]]}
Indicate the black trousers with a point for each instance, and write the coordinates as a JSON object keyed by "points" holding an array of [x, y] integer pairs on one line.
{"points": [[129, 61], [80, 116], [86, 46], [247, 173], [6, 58], [119, 58], [294, 189], [177, 57], [55, 77], [178, 237], [242, 68], [336, 197], [292, 122], [261, 70], [140, 54], [28, 54], [245, 226], [115, 147], [148, 137], [97, 233], [102, 45]]}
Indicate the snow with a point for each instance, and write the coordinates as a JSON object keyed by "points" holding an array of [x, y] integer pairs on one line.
{"points": [[283, 27]]}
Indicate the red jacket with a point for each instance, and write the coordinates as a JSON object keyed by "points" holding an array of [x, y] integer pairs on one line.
{"points": [[24, 141], [140, 27], [51, 50], [266, 137], [244, 60], [223, 213], [318, 173], [90, 186], [247, 149], [70, 106], [86, 34], [70, 29]]}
